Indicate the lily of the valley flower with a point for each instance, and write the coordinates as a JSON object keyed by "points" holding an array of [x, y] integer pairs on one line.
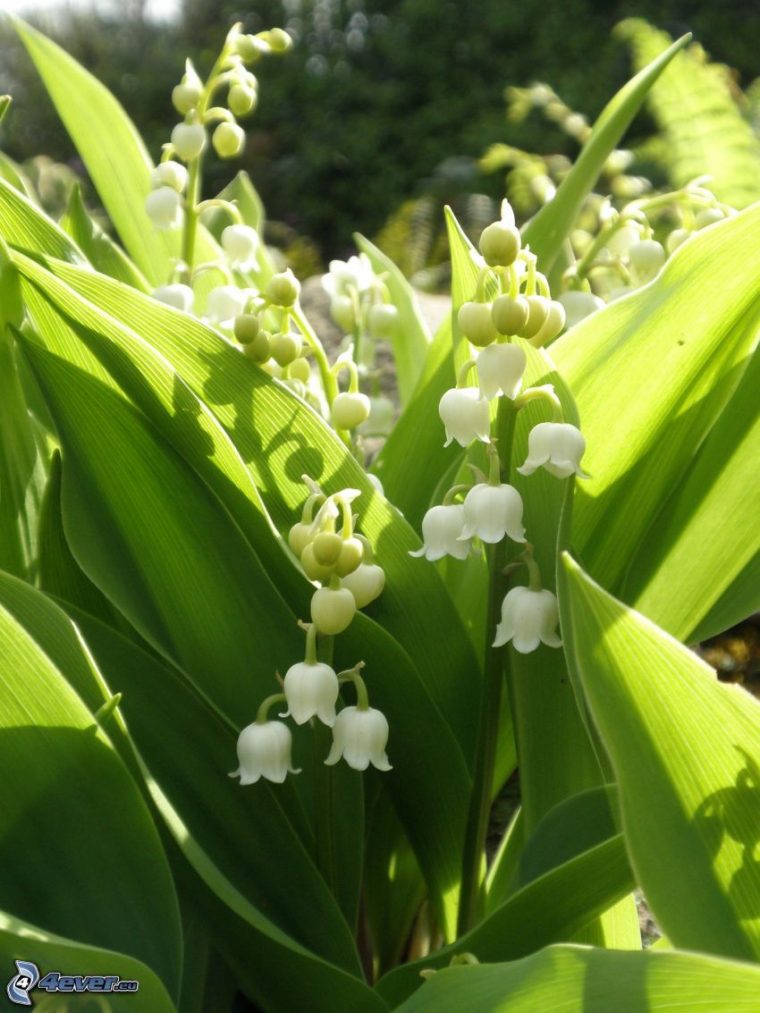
{"points": [[225, 303], [164, 208], [241, 244], [556, 446], [365, 583], [179, 296], [441, 528], [311, 690], [500, 370], [264, 750], [492, 511], [356, 272], [332, 610], [464, 413], [360, 736], [528, 618]]}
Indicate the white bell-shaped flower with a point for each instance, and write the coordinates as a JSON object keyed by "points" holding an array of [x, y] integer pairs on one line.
{"points": [[360, 736], [241, 244], [441, 528], [500, 370], [464, 413], [556, 446], [264, 750], [189, 140], [528, 618], [225, 303], [493, 511], [179, 296], [356, 273], [164, 208], [579, 305], [365, 583], [311, 690], [169, 173]]}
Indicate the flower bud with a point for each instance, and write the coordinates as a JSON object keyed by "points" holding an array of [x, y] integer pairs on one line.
{"points": [[538, 310], [351, 556], [241, 100], [170, 173], [179, 296], [241, 244], [365, 583], [646, 258], [360, 737], [188, 140], [327, 546], [552, 326], [491, 512], [676, 238], [465, 416], [556, 446], [246, 327], [474, 319], [277, 39], [500, 370], [509, 315], [164, 208], [249, 48], [313, 569], [283, 289], [381, 320], [332, 610], [224, 304], [228, 140], [342, 312], [286, 348], [708, 216], [528, 618], [299, 536], [186, 96], [349, 410], [311, 690], [579, 305], [264, 750], [441, 528], [300, 370], [259, 350], [500, 244]]}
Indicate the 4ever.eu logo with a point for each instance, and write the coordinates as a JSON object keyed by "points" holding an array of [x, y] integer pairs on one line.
{"points": [[27, 979]]}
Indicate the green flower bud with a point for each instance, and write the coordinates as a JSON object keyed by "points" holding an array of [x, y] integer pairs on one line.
{"points": [[676, 238], [538, 310], [313, 569], [708, 216], [286, 348], [250, 48], [188, 140], [475, 322], [300, 370], [381, 320], [342, 310], [277, 39], [246, 327], [283, 289], [509, 315], [332, 610], [299, 536], [241, 100], [327, 546], [260, 348], [366, 583], [552, 326], [500, 244], [228, 140], [349, 410], [351, 556], [186, 96]]}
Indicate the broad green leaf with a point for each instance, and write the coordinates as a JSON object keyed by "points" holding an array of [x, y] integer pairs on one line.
{"points": [[100, 249], [596, 981], [417, 676], [651, 375], [685, 752], [19, 940], [547, 231], [112, 886], [550, 909], [109, 146], [26, 227], [705, 545], [410, 337], [11, 172]]}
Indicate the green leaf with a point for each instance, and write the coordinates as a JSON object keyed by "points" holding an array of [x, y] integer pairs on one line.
{"points": [[547, 231], [685, 753], [596, 981], [110, 147], [651, 375], [112, 886], [26, 227], [410, 337], [100, 249], [19, 940]]}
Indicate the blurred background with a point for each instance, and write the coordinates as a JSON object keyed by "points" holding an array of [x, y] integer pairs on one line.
{"points": [[385, 109]]}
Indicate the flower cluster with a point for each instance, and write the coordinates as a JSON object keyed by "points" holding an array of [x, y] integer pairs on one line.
{"points": [[491, 509], [342, 562]]}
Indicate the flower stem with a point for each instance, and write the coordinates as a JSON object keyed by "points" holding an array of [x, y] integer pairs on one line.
{"points": [[470, 897]]}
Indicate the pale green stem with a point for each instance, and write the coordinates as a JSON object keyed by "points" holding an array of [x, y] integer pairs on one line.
{"points": [[270, 701]]}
